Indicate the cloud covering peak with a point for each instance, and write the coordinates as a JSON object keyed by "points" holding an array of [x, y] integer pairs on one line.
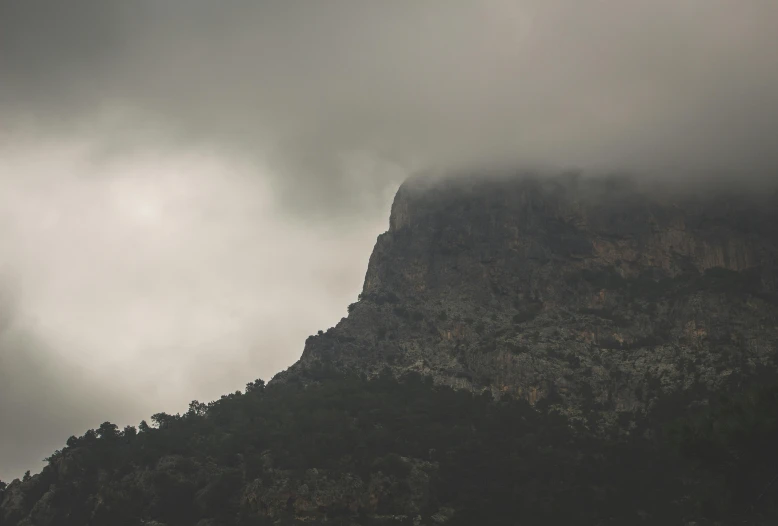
{"points": [[344, 94]]}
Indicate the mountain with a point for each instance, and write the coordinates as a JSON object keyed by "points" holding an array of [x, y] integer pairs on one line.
{"points": [[587, 293], [525, 350]]}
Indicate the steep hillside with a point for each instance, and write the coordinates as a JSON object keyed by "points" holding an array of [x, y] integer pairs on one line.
{"points": [[525, 351], [594, 294]]}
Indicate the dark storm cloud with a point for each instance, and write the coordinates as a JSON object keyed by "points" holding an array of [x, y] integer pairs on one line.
{"points": [[307, 86]]}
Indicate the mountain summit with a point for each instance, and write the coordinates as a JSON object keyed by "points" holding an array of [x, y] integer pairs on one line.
{"points": [[525, 350]]}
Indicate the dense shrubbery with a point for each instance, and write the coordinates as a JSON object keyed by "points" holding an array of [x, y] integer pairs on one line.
{"points": [[500, 462]]}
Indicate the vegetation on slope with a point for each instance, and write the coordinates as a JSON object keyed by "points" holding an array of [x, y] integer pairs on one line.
{"points": [[487, 462]]}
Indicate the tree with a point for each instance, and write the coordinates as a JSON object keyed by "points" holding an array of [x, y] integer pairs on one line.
{"points": [[129, 432], [108, 431], [256, 386], [197, 408], [26, 476], [54, 456], [163, 420]]}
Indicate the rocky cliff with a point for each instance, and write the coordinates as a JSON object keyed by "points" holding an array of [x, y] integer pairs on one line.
{"points": [[591, 294], [524, 351]]}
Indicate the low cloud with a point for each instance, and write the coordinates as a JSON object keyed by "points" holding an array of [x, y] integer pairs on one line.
{"points": [[306, 88]]}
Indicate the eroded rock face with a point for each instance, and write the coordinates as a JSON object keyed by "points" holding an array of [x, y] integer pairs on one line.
{"points": [[586, 293]]}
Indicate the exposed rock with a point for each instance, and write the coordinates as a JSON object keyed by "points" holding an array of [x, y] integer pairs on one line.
{"points": [[586, 293]]}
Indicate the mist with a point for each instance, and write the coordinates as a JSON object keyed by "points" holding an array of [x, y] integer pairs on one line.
{"points": [[133, 284], [189, 189]]}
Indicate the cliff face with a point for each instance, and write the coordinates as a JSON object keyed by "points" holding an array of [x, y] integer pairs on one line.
{"points": [[590, 294], [610, 303]]}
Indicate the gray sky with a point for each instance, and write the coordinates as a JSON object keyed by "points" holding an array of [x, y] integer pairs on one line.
{"points": [[190, 188]]}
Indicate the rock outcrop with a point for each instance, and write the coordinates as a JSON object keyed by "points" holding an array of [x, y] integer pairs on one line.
{"points": [[587, 293]]}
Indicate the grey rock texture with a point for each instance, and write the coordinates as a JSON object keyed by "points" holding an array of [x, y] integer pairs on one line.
{"points": [[597, 294]]}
